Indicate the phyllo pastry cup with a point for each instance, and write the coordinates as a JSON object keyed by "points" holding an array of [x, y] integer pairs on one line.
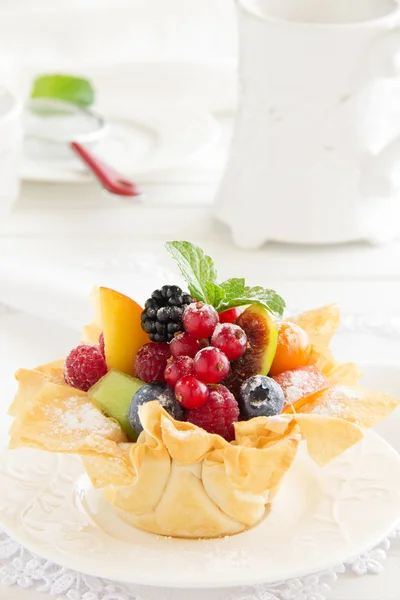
{"points": [[177, 479]]}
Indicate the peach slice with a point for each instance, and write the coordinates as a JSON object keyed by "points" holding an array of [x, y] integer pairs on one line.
{"points": [[91, 333], [299, 384], [122, 329]]}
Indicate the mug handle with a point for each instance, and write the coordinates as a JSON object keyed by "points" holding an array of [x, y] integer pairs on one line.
{"points": [[380, 173], [384, 54]]}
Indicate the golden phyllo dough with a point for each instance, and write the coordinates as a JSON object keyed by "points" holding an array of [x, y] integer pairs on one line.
{"points": [[178, 480]]}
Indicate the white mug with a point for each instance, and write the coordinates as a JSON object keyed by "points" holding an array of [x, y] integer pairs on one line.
{"points": [[315, 156], [10, 149]]}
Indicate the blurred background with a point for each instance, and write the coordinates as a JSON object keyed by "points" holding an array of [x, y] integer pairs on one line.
{"points": [[160, 73], [165, 79], [164, 75]]}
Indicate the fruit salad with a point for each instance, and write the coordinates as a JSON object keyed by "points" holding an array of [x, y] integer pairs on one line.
{"points": [[188, 412]]}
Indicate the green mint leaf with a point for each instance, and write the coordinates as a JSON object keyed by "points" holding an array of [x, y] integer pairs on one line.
{"points": [[215, 293], [200, 274], [196, 267], [256, 295], [234, 287], [268, 298], [65, 88]]}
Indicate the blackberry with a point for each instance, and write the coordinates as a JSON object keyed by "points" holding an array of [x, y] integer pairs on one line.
{"points": [[162, 315]]}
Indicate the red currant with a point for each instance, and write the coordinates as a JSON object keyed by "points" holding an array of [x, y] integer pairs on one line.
{"points": [[230, 315], [184, 344], [211, 365], [200, 320], [231, 339], [191, 392], [177, 368]]}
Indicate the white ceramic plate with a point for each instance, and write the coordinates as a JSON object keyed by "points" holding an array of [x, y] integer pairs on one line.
{"points": [[34, 510], [142, 138], [319, 518]]}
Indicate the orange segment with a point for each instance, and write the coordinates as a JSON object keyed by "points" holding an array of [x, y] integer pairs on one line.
{"points": [[123, 333]]}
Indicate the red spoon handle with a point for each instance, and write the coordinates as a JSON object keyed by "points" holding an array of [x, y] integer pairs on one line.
{"points": [[110, 179]]}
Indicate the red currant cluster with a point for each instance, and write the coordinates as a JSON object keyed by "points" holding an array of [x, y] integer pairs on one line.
{"points": [[202, 354]]}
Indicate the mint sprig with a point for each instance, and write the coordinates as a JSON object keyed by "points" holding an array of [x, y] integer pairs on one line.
{"points": [[201, 276], [197, 268], [66, 88]]}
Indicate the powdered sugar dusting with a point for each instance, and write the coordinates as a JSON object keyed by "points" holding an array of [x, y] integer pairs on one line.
{"points": [[330, 407], [77, 417], [83, 416], [293, 393], [298, 383], [334, 403], [256, 382]]}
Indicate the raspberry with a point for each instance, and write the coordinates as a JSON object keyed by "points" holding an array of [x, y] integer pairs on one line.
{"points": [[184, 344], [230, 339], [218, 414], [177, 368], [150, 362], [101, 345], [200, 320], [191, 392], [211, 365], [84, 366]]}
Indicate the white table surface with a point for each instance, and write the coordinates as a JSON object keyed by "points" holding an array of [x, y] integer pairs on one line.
{"points": [[79, 229]]}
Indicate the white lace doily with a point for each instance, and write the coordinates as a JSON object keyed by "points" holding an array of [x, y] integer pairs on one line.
{"points": [[19, 567]]}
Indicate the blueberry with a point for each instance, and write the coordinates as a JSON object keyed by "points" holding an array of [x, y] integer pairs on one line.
{"points": [[154, 391], [260, 396]]}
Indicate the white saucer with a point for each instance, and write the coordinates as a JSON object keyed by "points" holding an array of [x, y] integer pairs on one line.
{"points": [[142, 138], [319, 518]]}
